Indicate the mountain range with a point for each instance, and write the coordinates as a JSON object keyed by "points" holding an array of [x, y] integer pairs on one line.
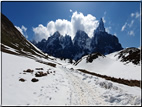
{"points": [[61, 46]]}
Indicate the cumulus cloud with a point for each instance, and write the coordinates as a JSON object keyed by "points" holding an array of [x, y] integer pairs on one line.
{"points": [[22, 30], [78, 21], [124, 26], [86, 23], [40, 32]]}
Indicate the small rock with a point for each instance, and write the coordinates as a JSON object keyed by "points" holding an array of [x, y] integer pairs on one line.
{"points": [[40, 74], [29, 71], [22, 80], [34, 80], [39, 68]]}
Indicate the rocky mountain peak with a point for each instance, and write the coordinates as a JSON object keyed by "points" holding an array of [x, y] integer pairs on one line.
{"points": [[101, 27], [80, 37], [56, 34]]}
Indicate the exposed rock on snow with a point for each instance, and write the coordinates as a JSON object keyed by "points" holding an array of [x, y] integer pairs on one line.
{"points": [[130, 55], [34, 80]]}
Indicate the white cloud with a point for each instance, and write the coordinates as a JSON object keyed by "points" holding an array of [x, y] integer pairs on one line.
{"points": [[103, 18], [131, 33], [40, 32], [108, 29], [22, 30], [19, 29], [115, 34], [87, 23], [105, 13], [132, 14], [136, 14], [78, 21], [70, 10], [124, 26], [131, 24]]}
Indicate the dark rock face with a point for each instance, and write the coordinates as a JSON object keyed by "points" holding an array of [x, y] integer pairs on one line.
{"points": [[65, 47], [80, 39], [130, 55], [93, 56], [57, 46], [105, 43], [54, 47], [101, 27], [11, 37], [81, 42]]}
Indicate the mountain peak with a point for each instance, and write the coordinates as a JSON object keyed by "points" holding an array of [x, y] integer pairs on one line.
{"points": [[81, 34], [56, 34], [101, 27]]}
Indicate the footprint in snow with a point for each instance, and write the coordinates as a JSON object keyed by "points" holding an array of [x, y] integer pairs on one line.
{"points": [[34, 93], [89, 81]]}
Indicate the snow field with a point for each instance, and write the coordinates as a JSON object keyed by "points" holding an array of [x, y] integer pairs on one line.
{"points": [[110, 66], [63, 87]]}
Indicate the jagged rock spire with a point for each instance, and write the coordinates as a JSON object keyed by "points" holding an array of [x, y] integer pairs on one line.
{"points": [[101, 27]]}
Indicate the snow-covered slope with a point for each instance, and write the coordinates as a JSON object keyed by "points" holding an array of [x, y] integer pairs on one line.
{"points": [[62, 86], [111, 66]]}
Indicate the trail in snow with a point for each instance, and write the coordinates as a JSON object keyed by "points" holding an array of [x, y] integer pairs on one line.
{"points": [[82, 93], [68, 89]]}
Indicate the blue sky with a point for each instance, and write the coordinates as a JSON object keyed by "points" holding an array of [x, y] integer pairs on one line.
{"points": [[37, 20]]}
